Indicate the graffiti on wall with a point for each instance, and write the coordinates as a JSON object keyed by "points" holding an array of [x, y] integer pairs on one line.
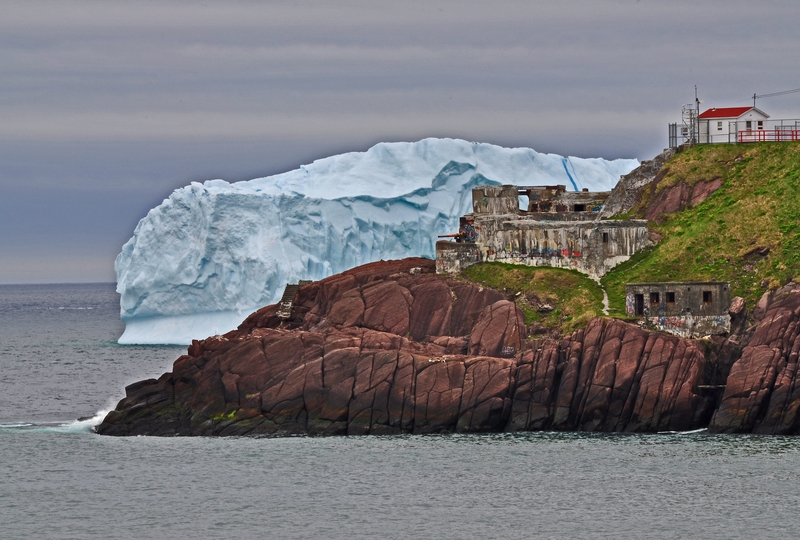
{"points": [[468, 232], [630, 305]]}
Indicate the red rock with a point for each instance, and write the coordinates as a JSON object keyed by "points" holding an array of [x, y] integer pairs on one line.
{"points": [[703, 190], [499, 331], [760, 393], [486, 397], [439, 386], [386, 307], [377, 350], [670, 199]]}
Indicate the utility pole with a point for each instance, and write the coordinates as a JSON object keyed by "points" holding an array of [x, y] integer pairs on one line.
{"points": [[754, 100], [696, 127]]}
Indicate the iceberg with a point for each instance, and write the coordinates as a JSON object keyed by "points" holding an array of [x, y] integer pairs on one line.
{"points": [[212, 253]]}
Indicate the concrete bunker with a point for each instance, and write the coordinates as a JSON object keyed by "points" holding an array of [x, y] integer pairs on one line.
{"points": [[685, 308], [559, 228]]}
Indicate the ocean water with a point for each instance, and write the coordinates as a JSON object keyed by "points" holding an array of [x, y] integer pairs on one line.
{"points": [[59, 361]]}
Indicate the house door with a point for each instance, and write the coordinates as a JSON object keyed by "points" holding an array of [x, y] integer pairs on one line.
{"points": [[640, 304]]}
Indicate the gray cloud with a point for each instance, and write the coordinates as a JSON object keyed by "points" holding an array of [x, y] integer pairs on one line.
{"points": [[105, 107]]}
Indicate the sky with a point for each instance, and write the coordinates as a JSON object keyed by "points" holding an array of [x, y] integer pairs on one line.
{"points": [[107, 107]]}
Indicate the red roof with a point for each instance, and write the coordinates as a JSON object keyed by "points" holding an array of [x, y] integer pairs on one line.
{"points": [[725, 112]]}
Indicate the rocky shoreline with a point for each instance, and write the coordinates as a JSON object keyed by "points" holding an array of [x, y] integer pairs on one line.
{"points": [[392, 347]]}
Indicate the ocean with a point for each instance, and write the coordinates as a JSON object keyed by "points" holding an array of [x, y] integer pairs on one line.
{"points": [[59, 361]]}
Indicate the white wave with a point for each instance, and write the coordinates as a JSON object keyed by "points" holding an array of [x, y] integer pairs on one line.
{"points": [[85, 425], [690, 432]]}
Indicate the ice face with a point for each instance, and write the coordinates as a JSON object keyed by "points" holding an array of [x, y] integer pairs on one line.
{"points": [[211, 253]]}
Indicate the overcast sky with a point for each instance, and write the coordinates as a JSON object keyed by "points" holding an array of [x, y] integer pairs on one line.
{"points": [[106, 107]]}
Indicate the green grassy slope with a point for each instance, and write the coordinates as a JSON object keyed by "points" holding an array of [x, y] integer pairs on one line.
{"points": [[747, 232], [576, 299]]}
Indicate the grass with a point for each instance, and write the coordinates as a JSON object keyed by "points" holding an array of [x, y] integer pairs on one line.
{"points": [[576, 299], [223, 417], [747, 232]]}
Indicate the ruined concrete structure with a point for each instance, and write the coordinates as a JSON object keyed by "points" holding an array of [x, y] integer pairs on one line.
{"points": [[557, 228], [688, 309]]}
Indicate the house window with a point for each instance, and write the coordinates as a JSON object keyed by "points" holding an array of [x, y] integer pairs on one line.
{"points": [[719, 126], [605, 238], [748, 124], [655, 298], [670, 297], [760, 124], [707, 297]]}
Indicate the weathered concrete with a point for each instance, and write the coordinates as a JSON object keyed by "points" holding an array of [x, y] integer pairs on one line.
{"points": [[453, 257], [553, 200], [559, 229], [591, 247], [686, 309]]}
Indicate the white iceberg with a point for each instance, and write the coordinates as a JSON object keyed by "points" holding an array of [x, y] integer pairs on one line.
{"points": [[212, 253]]}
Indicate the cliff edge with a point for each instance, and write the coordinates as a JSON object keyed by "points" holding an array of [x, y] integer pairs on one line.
{"points": [[391, 347]]}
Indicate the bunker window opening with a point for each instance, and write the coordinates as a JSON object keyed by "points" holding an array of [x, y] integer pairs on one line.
{"points": [[670, 297], [707, 297], [655, 298], [579, 208], [605, 238], [639, 303]]}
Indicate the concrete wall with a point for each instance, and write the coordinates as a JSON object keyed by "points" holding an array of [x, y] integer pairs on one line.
{"points": [[504, 200], [453, 257], [497, 200], [567, 235], [687, 309], [579, 245], [688, 298], [691, 326]]}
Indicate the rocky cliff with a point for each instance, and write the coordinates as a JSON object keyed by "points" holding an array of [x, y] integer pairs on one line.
{"points": [[391, 347], [762, 393]]}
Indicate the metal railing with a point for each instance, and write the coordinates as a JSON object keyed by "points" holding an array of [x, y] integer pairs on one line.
{"points": [[768, 135]]}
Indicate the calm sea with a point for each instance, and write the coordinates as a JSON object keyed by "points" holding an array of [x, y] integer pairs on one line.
{"points": [[59, 361]]}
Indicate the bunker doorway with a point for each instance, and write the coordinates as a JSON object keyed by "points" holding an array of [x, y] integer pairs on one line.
{"points": [[639, 304]]}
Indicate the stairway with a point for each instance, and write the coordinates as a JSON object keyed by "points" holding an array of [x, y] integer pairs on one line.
{"points": [[285, 305]]}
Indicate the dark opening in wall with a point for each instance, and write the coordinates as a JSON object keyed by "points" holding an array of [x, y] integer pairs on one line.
{"points": [[639, 309], [605, 238], [670, 298], [579, 208], [707, 297], [655, 298]]}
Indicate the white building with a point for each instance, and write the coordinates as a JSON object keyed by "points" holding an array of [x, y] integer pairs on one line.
{"points": [[731, 124]]}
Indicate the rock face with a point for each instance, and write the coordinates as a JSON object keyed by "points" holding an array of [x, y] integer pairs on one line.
{"points": [[646, 179], [628, 191], [762, 394], [380, 350], [677, 197]]}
